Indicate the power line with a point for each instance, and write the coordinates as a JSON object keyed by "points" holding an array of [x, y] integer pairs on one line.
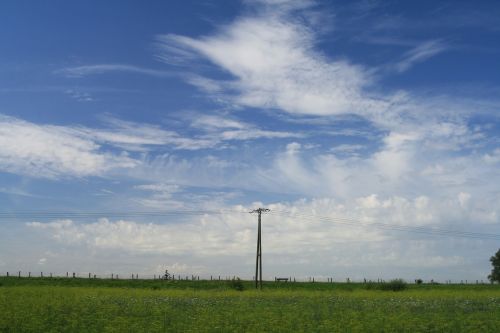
{"points": [[358, 223], [386, 226], [45, 214], [30, 214]]}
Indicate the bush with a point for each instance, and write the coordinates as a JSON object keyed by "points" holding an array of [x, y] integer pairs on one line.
{"points": [[236, 284], [372, 285], [394, 285], [418, 281]]}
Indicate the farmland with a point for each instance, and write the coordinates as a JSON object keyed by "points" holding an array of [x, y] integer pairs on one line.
{"points": [[95, 305]]}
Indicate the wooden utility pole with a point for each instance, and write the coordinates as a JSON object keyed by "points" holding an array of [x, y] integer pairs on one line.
{"points": [[258, 259]]}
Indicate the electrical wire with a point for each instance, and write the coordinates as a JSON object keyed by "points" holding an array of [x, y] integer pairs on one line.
{"points": [[386, 226], [30, 215], [338, 220]]}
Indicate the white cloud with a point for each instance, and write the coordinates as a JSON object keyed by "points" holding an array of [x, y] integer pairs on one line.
{"points": [[230, 232], [293, 148], [80, 96], [52, 151], [227, 129], [274, 63], [347, 148], [81, 71], [463, 199], [142, 137], [212, 122], [169, 188], [420, 53], [426, 165], [297, 237], [162, 196], [253, 133], [411, 162], [493, 157]]}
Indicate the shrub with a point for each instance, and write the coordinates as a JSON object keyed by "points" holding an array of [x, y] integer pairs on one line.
{"points": [[394, 285], [418, 281], [236, 284], [372, 285]]}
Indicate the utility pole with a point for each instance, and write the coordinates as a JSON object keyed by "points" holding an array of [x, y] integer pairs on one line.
{"points": [[258, 259]]}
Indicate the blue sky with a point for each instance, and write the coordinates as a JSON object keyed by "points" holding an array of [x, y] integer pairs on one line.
{"points": [[376, 111]]}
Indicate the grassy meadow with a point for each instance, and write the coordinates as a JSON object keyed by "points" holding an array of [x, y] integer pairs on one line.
{"points": [[95, 305]]}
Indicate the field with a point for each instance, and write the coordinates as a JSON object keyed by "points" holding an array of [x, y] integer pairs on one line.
{"points": [[88, 305]]}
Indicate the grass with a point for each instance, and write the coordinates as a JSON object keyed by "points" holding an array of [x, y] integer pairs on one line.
{"points": [[82, 305]]}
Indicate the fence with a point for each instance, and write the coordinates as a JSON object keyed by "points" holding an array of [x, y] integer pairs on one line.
{"points": [[191, 277]]}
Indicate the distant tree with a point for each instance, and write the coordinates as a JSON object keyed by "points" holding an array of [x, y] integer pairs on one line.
{"points": [[495, 272]]}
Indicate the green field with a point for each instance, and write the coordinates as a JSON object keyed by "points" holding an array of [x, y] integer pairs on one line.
{"points": [[88, 305]]}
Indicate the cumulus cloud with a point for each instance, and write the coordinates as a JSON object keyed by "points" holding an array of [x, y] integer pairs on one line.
{"points": [[294, 234]]}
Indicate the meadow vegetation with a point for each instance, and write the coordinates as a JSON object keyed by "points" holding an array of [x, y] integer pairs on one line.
{"points": [[88, 305]]}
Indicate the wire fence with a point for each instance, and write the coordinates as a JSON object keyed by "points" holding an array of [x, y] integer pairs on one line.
{"points": [[221, 278]]}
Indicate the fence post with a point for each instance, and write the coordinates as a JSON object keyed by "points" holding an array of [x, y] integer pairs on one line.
{"points": [[67, 274], [41, 274], [74, 275], [29, 274], [19, 275], [7, 274]]}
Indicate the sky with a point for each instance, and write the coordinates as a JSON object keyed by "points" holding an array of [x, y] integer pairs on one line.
{"points": [[334, 115]]}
